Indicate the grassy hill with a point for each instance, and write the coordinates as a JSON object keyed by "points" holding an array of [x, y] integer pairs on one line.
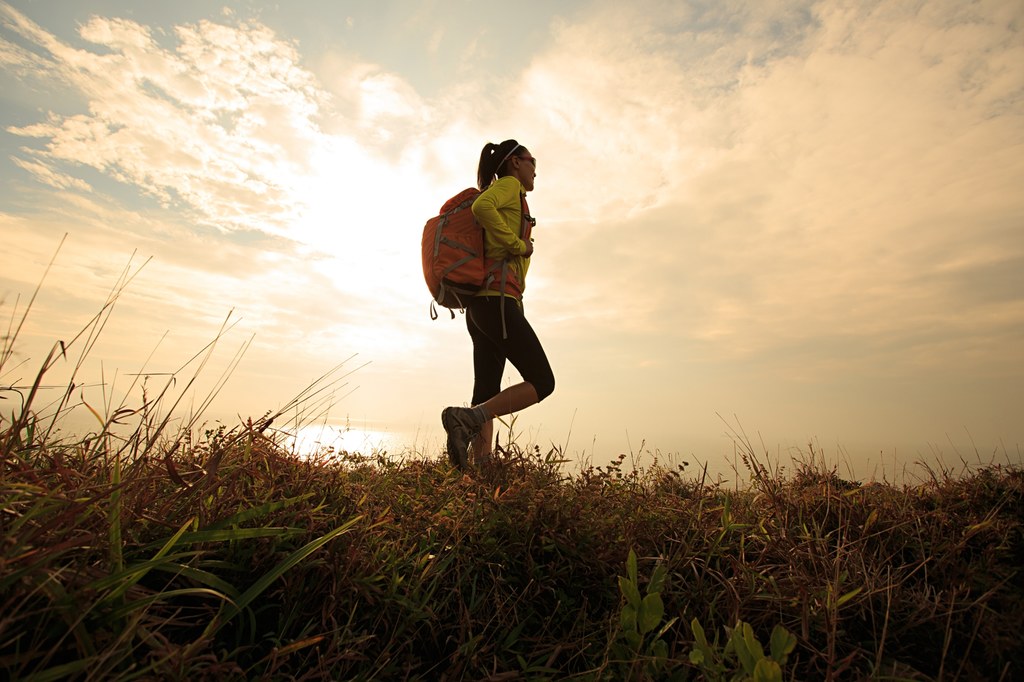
{"points": [[141, 551], [222, 556]]}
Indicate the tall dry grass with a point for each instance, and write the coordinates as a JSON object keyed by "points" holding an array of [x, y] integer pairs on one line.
{"points": [[141, 551]]}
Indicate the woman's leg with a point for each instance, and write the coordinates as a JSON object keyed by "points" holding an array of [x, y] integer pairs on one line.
{"points": [[494, 340], [488, 368], [518, 342], [512, 399], [484, 440]]}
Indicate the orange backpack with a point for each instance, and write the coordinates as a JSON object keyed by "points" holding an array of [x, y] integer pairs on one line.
{"points": [[453, 252], [454, 263]]}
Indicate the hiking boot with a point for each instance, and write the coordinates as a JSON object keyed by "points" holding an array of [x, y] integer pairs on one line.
{"points": [[461, 425]]}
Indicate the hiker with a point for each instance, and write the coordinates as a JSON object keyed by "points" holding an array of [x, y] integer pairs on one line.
{"points": [[494, 316]]}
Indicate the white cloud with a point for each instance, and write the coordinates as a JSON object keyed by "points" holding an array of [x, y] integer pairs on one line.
{"points": [[227, 126], [781, 173], [47, 175], [224, 123]]}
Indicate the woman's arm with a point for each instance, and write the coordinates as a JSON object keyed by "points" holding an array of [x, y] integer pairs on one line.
{"points": [[491, 208]]}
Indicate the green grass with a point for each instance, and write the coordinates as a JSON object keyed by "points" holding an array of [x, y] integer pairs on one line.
{"points": [[237, 559], [138, 551]]}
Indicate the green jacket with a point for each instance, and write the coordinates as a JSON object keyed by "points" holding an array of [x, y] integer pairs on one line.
{"points": [[499, 211]]}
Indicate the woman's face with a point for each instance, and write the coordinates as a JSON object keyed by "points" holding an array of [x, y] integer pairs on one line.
{"points": [[524, 167]]}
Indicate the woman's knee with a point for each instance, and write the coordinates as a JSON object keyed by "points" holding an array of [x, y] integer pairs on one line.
{"points": [[544, 386]]}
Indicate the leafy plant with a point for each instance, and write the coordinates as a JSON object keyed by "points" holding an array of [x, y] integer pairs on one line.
{"points": [[743, 658], [641, 642]]}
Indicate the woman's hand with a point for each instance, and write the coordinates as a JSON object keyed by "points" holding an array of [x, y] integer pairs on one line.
{"points": [[529, 249]]}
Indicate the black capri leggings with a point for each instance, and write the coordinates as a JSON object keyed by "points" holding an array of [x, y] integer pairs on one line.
{"points": [[520, 346]]}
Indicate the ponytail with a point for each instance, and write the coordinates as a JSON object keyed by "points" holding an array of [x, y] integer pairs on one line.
{"points": [[492, 158]]}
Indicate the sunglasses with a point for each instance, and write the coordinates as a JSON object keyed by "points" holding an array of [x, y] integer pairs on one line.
{"points": [[531, 159]]}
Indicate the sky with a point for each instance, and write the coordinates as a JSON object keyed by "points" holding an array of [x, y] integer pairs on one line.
{"points": [[791, 223]]}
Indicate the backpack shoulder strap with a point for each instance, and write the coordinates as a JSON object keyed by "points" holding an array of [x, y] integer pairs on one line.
{"points": [[528, 221]]}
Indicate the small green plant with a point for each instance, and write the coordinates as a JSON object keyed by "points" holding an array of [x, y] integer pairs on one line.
{"points": [[640, 645], [743, 658]]}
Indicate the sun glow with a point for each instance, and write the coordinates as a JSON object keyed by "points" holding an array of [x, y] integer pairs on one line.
{"points": [[328, 440], [359, 211]]}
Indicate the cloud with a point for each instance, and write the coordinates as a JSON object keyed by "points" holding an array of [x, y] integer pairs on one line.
{"points": [[293, 202], [753, 177], [54, 178], [870, 159], [222, 125], [226, 129]]}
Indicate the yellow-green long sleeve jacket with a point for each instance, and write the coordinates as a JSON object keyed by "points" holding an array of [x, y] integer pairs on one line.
{"points": [[499, 211]]}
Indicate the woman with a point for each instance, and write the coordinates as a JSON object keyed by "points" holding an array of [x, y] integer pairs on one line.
{"points": [[494, 316]]}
